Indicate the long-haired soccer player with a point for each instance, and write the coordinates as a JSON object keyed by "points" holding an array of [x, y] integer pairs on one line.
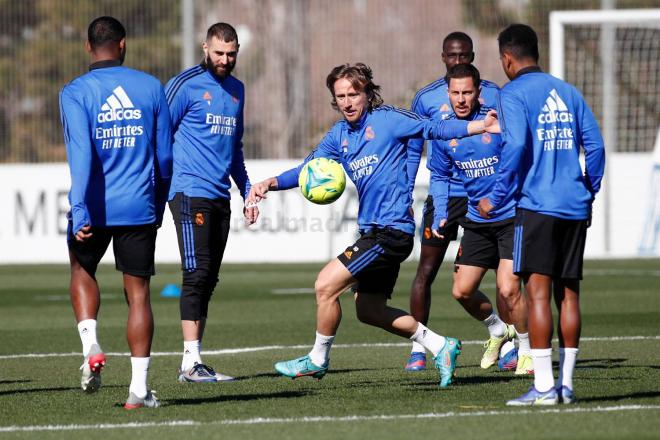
{"points": [[370, 142]]}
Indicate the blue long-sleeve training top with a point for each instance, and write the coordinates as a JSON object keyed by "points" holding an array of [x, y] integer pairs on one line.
{"points": [[117, 133], [432, 101], [207, 121], [475, 160], [545, 122], [374, 154]]}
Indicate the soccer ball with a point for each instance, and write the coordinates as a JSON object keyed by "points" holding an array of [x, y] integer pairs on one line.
{"points": [[322, 180]]}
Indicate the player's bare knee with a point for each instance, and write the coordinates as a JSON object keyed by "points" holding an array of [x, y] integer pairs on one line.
{"points": [[460, 293], [324, 291]]}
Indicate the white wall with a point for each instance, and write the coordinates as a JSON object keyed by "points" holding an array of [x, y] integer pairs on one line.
{"points": [[34, 201]]}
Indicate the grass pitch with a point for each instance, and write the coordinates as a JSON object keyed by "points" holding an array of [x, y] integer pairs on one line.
{"points": [[366, 394]]}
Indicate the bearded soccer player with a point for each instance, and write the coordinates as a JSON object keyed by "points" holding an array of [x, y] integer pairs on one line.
{"points": [[486, 243], [432, 101], [206, 103], [117, 132], [546, 123], [370, 143]]}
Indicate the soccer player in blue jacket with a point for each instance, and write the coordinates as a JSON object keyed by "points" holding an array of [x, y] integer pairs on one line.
{"points": [[432, 101], [117, 132], [206, 103], [370, 143], [486, 243], [545, 125]]}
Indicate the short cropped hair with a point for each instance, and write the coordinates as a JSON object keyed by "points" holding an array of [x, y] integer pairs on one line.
{"points": [[464, 71], [104, 30], [458, 36], [223, 32], [520, 41], [360, 77]]}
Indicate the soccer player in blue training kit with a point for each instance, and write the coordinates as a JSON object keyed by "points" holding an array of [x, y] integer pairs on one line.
{"points": [[117, 132], [370, 143], [545, 124], [206, 103], [486, 243], [432, 101]]}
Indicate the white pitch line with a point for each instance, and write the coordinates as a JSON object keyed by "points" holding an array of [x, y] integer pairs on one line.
{"points": [[33, 428], [334, 419], [304, 346]]}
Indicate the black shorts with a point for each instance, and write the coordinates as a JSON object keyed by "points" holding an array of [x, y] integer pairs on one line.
{"points": [[456, 211], [133, 246], [548, 245], [485, 244], [374, 259]]}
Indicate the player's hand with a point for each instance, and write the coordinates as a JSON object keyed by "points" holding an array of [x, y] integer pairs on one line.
{"points": [[491, 123], [83, 234], [251, 213], [485, 207], [258, 190], [439, 230]]}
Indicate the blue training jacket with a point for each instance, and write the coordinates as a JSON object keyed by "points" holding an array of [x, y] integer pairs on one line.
{"points": [[117, 133], [373, 153], [432, 101], [475, 160], [207, 121], [545, 121]]}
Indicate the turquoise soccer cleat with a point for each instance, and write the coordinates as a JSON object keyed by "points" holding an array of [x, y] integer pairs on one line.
{"points": [[302, 366], [445, 361]]}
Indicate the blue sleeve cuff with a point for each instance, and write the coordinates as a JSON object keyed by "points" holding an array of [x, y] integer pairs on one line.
{"points": [[288, 179]]}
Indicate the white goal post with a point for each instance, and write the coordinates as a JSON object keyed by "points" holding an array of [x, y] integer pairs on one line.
{"points": [[608, 21]]}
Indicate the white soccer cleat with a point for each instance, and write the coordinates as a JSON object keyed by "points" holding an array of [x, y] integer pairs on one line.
{"points": [[90, 380]]}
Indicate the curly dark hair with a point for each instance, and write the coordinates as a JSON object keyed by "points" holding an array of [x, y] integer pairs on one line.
{"points": [[360, 77]]}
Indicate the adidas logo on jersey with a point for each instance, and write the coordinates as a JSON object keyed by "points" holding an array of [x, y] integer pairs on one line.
{"points": [[554, 110], [118, 107]]}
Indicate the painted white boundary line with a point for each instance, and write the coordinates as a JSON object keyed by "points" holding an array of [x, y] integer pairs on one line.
{"points": [[382, 417], [305, 346]]}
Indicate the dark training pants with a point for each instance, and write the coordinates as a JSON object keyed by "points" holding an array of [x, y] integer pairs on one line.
{"points": [[202, 228]]}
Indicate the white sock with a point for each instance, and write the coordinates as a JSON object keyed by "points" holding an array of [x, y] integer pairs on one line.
{"points": [[191, 354], [542, 361], [523, 344], [432, 341], [321, 351], [87, 332], [567, 358], [417, 348], [496, 327], [140, 369], [506, 347]]}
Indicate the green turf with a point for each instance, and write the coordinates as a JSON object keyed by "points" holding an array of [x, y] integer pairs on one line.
{"points": [[620, 298]]}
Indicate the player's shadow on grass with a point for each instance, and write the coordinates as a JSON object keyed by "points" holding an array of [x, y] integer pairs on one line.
{"points": [[604, 364], [331, 372], [8, 382], [41, 390], [640, 395], [237, 398]]}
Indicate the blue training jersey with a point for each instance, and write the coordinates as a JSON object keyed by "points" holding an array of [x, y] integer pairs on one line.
{"points": [[374, 154], [117, 133], [475, 160], [207, 121], [545, 122], [432, 101]]}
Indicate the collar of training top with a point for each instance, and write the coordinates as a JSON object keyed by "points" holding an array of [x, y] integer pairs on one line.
{"points": [[104, 63], [530, 69]]}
